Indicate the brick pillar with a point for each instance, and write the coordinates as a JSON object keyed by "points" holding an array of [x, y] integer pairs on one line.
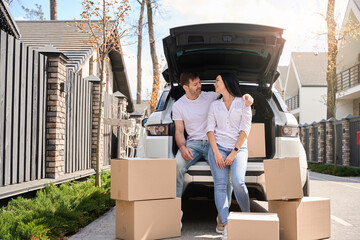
{"points": [[302, 133], [346, 140], [321, 141], [311, 142], [95, 121], [55, 115], [329, 140]]}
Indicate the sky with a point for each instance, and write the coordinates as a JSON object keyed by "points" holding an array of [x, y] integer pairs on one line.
{"points": [[302, 20]]}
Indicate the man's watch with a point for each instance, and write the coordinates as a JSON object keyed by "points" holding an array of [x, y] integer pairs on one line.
{"points": [[235, 149]]}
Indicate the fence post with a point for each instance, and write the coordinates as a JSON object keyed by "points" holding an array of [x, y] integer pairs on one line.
{"points": [[122, 103], [329, 140], [346, 140], [55, 114], [321, 141], [95, 124]]}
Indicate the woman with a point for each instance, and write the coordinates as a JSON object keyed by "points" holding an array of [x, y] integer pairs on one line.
{"points": [[229, 123]]}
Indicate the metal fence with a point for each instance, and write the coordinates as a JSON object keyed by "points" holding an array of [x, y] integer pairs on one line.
{"points": [[338, 142], [293, 102], [78, 124], [23, 91], [348, 78]]}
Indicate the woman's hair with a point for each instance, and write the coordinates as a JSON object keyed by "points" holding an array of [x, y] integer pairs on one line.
{"points": [[231, 84]]}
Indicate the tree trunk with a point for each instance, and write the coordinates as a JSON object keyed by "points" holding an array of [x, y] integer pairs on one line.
{"points": [[331, 69], [102, 82], [156, 74], [53, 10], [139, 72]]}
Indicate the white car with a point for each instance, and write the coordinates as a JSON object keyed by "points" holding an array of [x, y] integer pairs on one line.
{"points": [[251, 52]]}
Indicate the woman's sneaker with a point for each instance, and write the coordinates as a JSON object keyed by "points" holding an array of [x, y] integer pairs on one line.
{"points": [[224, 236], [219, 226]]}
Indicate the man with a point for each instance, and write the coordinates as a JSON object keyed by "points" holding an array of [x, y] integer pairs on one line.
{"points": [[190, 113]]}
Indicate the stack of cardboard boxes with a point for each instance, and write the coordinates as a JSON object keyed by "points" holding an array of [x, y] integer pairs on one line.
{"points": [[145, 194], [300, 217], [254, 226], [294, 216]]}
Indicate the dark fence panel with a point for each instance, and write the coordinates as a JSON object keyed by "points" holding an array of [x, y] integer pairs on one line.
{"points": [[339, 143], [316, 149], [78, 123], [306, 136], [23, 82], [354, 148]]}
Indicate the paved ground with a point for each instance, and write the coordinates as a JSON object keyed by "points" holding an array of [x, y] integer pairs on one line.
{"points": [[199, 214]]}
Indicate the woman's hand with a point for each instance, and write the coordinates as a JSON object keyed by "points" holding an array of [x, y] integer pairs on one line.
{"points": [[230, 158], [219, 159]]}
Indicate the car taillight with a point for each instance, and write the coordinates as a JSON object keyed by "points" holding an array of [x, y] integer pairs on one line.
{"points": [[288, 131], [157, 130]]}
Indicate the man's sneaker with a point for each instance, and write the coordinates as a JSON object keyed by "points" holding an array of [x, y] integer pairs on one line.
{"points": [[224, 236], [219, 226]]}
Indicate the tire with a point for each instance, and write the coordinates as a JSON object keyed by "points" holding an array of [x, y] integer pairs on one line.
{"points": [[306, 188]]}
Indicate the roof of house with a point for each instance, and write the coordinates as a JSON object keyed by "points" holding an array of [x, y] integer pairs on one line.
{"points": [[7, 23], [64, 36], [310, 67], [283, 70]]}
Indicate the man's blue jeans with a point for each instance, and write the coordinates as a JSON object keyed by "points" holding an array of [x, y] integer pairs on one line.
{"points": [[200, 149], [238, 170]]}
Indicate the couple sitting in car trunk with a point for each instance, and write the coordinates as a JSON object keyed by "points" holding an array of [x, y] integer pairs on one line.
{"points": [[217, 125]]}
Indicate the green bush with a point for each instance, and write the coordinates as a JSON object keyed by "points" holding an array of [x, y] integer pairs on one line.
{"points": [[341, 171], [56, 211]]}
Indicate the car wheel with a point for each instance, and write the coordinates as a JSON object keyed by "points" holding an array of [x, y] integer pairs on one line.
{"points": [[306, 188]]}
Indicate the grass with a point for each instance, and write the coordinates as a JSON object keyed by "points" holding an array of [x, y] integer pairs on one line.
{"points": [[57, 211], [341, 171]]}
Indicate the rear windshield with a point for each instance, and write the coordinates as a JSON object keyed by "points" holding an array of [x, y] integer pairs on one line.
{"points": [[162, 101]]}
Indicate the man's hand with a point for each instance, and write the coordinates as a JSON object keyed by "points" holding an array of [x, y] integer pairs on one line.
{"points": [[249, 100], [186, 153]]}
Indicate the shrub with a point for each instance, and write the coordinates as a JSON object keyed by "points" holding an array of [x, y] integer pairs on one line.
{"points": [[56, 211], [341, 171]]}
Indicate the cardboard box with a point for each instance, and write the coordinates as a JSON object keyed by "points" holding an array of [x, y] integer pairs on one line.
{"points": [[140, 179], [283, 179], [256, 141], [253, 226], [302, 219], [149, 219]]}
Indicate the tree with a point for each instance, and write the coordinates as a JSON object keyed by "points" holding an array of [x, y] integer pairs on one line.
{"points": [[105, 34], [34, 14], [139, 70], [53, 10], [352, 30], [156, 70]]}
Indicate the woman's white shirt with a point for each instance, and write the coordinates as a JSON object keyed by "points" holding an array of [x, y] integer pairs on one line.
{"points": [[227, 124]]}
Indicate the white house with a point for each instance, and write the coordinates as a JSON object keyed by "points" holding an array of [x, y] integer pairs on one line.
{"points": [[279, 84], [305, 86], [348, 68]]}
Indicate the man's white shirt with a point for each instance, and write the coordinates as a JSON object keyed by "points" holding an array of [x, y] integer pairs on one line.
{"points": [[194, 114]]}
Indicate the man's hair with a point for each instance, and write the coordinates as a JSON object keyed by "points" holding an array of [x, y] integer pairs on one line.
{"points": [[186, 76]]}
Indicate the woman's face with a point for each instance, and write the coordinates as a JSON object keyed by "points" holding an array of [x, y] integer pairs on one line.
{"points": [[219, 85]]}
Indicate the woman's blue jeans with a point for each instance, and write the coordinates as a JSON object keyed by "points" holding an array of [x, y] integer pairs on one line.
{"points": [[238, 170]]}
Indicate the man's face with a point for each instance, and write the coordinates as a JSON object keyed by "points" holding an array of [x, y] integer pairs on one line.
{"points": [[194, 87]]}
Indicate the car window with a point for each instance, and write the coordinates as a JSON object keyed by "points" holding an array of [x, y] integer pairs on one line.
{"points": [[280, 102], [162, 101]]}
